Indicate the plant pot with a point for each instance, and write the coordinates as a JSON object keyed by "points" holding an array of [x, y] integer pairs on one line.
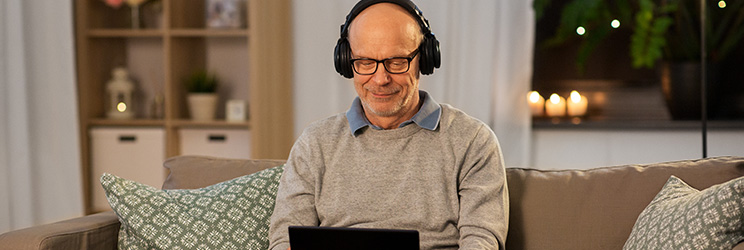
{"points": [[680, 83], [202, 106]]}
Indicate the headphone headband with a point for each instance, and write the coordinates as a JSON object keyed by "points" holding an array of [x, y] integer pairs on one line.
{"points": [[406, 4]]}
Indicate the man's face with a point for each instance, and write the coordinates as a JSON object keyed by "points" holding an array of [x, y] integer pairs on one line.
{"points": [[379, 32]]}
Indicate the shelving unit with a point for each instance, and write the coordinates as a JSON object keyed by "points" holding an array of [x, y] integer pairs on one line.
{"points": [[252, 62]]}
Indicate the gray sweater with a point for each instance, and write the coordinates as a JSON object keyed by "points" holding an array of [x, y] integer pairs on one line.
{"points": [[449, 184]]}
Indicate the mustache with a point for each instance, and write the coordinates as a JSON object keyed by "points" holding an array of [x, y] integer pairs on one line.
{"points": [[383, 90]]}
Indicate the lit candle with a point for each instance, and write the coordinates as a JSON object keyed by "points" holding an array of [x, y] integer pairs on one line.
{"points": [[121, 107], [577, 104], [555, 106], [537, 103]]}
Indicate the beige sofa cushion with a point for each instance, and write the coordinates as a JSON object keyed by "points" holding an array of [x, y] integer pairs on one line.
{"points": [[596, 209], [229, 215], [682, 217], [190, 172]]}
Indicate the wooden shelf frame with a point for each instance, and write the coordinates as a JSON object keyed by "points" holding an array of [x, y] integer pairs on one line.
{"points": [[209, 33], [181, 45]]}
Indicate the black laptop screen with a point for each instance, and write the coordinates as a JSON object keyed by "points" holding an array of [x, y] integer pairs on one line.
{"points": [[334, 238]]}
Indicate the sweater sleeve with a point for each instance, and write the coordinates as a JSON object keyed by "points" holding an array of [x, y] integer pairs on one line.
{"points": [[484, 200], [295, 199]]}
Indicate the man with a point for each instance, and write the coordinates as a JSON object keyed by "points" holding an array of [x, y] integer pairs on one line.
{"points": [[397, 158]]}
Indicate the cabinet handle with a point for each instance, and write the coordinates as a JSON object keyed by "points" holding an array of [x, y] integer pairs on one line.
{"points": [[127, 138], [217, 138]]}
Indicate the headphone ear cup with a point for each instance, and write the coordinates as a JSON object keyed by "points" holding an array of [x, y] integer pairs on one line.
{"points": [[436, 59], [342, 58], [430, 54], [424, 66]]}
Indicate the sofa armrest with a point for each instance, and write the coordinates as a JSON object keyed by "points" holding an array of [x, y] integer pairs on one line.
{"points": [[96, 231], [739, 246]]}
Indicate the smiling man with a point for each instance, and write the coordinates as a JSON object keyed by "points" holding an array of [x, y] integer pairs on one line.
{"points": [[389, 94], [396, 159]]}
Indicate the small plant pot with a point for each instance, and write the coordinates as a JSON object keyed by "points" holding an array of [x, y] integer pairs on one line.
{"points": [[202, 106], [680, 82]]}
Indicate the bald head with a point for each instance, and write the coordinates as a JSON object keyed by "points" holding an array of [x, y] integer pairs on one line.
{"points": [[384, 24]]}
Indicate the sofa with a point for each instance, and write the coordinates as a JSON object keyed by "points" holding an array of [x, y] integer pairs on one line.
{"points": [[549, 209]]}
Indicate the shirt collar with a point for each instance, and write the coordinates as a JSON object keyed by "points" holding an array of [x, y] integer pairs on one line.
{"points": [[427, 117]]}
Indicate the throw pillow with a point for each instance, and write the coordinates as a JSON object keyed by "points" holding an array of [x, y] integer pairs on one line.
{"points": [[681, 217], [229, 215]]}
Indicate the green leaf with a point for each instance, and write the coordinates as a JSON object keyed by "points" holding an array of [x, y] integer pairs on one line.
{"points": [[201, 81], [540, 6]]}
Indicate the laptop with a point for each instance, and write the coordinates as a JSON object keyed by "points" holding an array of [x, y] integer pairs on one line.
{"points": [[337, 238]]}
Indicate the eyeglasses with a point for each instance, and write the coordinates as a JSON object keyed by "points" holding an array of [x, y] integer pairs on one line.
{"points": [[393, 65]]}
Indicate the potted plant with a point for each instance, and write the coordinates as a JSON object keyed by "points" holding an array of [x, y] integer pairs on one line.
{"points": [[202, 96], [678, 47], [666, 31]]}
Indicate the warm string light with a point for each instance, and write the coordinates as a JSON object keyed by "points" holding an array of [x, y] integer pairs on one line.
{"points": [[580, 30], [616, 23], [721, 4]]}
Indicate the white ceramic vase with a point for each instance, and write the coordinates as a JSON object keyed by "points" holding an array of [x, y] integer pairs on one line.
{"points": [[202, 106]]}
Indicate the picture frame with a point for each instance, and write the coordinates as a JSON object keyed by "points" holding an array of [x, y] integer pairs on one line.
{"points": [[236, 110], [225, 13]]}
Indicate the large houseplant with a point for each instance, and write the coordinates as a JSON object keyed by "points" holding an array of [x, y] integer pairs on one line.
{"points": [[679, 49], [202, 95], [666, 31]]}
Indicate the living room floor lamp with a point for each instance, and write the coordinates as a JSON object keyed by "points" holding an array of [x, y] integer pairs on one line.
{"points": [[703, 80]]}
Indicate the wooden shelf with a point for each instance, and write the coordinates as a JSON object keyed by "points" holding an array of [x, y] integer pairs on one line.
{"points": [[209, 124], [114, 33], [608, 123], [209, 32], [178, 123], [251, 62], [126, 123]]}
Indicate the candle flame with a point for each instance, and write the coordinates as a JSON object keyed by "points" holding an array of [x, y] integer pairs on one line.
{"points": [[534, 97], [121, 107], [575, 97], [555, 99]]}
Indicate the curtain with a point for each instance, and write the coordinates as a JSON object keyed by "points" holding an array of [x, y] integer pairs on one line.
{"points": [[486, 64], [39, 142], [511, 118]]}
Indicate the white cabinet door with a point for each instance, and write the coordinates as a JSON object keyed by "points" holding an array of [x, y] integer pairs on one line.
{"points": [[228, 143], [131, 153]]}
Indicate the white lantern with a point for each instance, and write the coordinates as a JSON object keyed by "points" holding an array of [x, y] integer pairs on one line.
{"points": [[120, 90]]}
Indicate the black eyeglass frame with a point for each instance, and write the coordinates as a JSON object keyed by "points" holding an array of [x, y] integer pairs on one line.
{"points": [[384, 65]]}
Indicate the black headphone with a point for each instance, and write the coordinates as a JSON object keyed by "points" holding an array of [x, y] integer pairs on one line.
{"points": [[429, 54]]}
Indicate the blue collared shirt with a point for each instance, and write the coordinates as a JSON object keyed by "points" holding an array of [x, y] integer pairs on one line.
{"points": [[427, 117]]}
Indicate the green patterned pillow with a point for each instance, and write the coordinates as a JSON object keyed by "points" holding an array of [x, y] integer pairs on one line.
{"points": [[681, 217], [229, 215]]}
